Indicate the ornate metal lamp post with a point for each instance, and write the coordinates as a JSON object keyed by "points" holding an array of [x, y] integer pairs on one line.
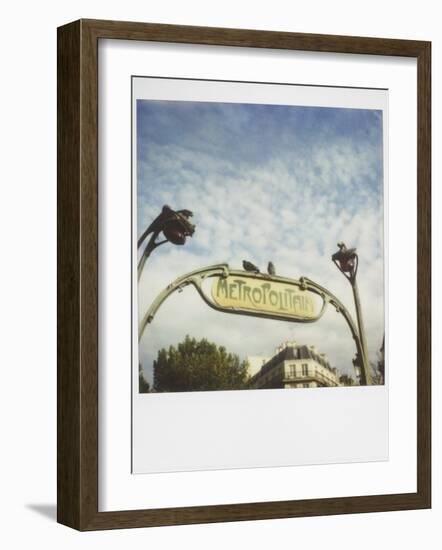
{"points": [[346, 260], [174, 225]]}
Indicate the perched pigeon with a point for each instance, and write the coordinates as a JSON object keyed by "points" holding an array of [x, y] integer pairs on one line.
{"points": [[248, 266], [271, 269]]}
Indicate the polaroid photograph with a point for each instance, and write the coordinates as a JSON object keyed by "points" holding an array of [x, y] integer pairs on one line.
{"points": [[258, 247]]}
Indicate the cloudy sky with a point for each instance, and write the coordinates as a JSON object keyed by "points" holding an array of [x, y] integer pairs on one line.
{"points": [[265, 182]]}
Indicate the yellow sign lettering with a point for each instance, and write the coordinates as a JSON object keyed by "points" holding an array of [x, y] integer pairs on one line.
{"points": [[267, 297]]}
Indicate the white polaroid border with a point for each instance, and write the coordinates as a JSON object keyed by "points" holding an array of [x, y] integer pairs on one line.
{"points": [[118, 487]]}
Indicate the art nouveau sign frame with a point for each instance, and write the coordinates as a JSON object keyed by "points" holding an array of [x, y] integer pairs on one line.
{"points": [[79, 281]]}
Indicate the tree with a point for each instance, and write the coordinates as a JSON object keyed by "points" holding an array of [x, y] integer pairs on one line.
{"points": [[143, 384], [198, 366]]}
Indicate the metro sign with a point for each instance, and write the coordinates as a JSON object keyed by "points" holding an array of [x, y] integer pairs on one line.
{"points": [[256, 294], [264, 296]]}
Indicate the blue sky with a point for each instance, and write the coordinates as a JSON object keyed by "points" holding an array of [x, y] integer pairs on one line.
{"points": [[265, 182]]}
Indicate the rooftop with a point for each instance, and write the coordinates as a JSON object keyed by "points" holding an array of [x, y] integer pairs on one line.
{"points": [[292, 350]]}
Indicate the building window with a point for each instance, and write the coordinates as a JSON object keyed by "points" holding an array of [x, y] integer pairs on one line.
{"points": [[304, 369], [292, 371], [305, 385]]}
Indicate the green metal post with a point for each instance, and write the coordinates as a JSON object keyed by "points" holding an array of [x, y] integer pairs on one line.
{"points": [[365, 364], [347, 261]]}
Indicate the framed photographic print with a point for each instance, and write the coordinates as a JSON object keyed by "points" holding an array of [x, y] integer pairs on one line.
{"points": [[243, 275]]}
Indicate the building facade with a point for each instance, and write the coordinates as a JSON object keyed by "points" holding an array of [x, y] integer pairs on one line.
{"points": [[295, 366]]}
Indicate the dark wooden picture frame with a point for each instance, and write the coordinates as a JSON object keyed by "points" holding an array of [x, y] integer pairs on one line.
{"points": [[77, 224]]}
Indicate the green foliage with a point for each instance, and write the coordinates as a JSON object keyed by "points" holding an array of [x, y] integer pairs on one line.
{"points": [[198, 366], [143, 384]]}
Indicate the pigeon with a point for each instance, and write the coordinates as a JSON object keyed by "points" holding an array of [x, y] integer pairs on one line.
{"points": [[271, 269], [248, 266]]}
